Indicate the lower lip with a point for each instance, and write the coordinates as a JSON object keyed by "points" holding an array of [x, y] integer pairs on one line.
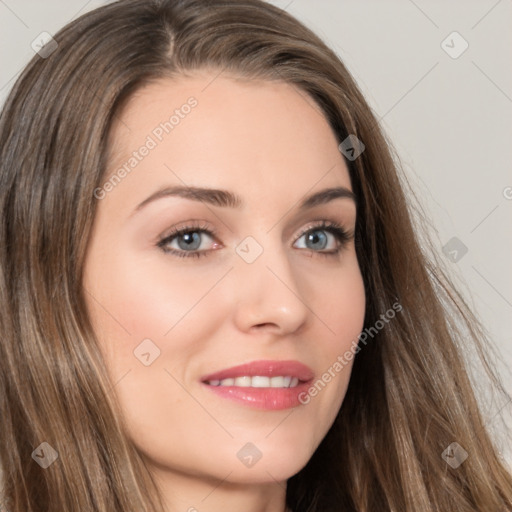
{"points": [[270, 399]]}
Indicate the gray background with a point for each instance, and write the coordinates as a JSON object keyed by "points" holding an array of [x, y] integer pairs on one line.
{"points": [[449, 118]]}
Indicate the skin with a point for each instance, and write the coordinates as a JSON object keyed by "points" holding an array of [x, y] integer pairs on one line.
{"points": [[268, 143]]}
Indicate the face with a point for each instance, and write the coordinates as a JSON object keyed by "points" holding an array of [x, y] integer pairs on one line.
{"points": [[184, 285]]}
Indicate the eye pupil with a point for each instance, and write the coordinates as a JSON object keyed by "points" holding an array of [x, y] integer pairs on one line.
{"points": [[190, 238], [313, 236]]}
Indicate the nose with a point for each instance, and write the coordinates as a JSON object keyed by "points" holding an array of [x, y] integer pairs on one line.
{"points": [[269, 294]]}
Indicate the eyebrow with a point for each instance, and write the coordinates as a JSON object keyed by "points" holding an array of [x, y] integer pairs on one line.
{"points": [[227, 199]]}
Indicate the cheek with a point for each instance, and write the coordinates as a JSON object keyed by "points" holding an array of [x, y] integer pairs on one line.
{"points": [[340, 305], [140, 306], [341, 309], [147, 298]]}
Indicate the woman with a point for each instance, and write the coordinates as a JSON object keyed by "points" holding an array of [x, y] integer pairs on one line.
{"points": [[212, 293]]}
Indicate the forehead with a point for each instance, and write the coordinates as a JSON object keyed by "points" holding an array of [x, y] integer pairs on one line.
{"points": [[210, 129]]}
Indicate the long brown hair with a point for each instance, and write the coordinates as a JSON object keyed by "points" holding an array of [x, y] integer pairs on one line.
{"points": [[409, 395]]}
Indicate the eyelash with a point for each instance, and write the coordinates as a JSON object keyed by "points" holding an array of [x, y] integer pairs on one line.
{"points": [[341, 235]]}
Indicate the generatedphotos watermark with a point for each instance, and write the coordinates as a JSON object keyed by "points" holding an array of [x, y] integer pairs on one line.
{"points": [[344, 359], [151, 142]]}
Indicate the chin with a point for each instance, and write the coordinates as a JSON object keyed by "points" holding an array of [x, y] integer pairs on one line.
{"points": [[274, 465]]}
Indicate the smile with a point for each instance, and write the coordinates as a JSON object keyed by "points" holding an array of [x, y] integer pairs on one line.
{"points": [[257, 381]]}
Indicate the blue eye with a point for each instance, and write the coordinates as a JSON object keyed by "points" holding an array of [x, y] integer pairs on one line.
{"points": [[318, 239], [189, 239]]}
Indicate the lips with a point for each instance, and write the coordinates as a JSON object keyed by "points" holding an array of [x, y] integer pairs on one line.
{"points": [[264, 369], [296, 375]]}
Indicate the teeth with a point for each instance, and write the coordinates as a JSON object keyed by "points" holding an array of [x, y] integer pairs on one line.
{"points": [[244, 382], [258, 382], [277, 382]]}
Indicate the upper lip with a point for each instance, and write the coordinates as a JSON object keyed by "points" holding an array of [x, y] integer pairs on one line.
{"points": [[264, 369]]}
